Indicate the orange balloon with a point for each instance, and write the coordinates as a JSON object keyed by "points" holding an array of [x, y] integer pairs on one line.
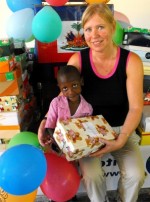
{"points": [[97, 1], [4, 196]]}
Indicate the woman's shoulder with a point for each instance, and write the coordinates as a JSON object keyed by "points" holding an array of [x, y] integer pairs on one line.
{"points": [[75, 60]]}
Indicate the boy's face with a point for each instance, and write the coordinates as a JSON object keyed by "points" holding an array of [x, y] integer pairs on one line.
{"points": [[70, 86]]}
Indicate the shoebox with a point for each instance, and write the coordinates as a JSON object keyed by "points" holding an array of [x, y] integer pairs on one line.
{"points": [[137, 37], [22, 60], [79, 137], [18, 120], [20, 47], [146, 66], [7, 63], [6, 47], [11, 82], [145, 136], [10, 103], [142, 52]]}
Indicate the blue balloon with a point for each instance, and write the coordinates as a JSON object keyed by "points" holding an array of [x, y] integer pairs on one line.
{"points": [[16, 5], [46, 25], [19, 25], [22, 169]]}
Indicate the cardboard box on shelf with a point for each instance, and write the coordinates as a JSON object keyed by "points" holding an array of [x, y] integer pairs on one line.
{"points": [[80, 137], [10, 122], [10, 103], [7, 64], [11, 82], [22, 60], [145, 136], [6, 47], [145, 120], [8, 133], [136, 36]]}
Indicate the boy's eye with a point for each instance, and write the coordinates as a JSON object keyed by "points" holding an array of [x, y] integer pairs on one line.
{"points": [[64, 89], [75, 85]]}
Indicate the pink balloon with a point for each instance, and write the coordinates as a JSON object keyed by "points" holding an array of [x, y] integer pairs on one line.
{"points": [[56, 2], [121, 17], [62, 178]]}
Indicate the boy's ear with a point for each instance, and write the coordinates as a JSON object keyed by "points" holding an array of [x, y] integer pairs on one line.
{"points": [[82, 81]]}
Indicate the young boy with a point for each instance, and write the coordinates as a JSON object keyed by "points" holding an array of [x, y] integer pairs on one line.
{"points": [[69, 104]]}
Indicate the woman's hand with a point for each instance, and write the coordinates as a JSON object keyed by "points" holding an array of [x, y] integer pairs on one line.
{"points": [[110, 146]]}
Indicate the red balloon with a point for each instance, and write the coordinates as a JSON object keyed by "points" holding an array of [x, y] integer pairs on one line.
{"points": [[56, 2], [62, 178]]}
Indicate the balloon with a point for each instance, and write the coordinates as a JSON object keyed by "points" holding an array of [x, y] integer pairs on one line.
{"points": [[118, 35], [124, 25], [22, 169], [56, 2], [24, 138], [6, 197], [30, 39], [96, 1], [16, 5], [62, 179], [46, 25], [121, 16], [19, 25]]}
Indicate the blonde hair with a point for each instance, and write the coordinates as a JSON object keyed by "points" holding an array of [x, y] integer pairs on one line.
{"points": [[102, 10]]}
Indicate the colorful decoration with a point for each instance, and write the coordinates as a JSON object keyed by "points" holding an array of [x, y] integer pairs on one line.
{"points": [[24, 137], [19, 24], [56, 2], [6, 197], [22, 169], [16, 5], [96, 1], [46, 25], [118, 35], [62, 179]]}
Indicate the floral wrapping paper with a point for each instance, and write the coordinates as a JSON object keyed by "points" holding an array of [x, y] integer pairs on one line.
{"points": [[79, 137]]}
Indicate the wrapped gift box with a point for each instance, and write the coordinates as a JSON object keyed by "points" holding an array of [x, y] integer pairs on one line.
{"points": [[137, 37], [10, 103], [79, 137], [7, 63], [6, 47], [11, 82], [145, 136], [22, 60], [145, 120], [20, 46], [18, 120]]}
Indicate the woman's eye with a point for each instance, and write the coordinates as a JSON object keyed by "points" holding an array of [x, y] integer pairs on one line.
{"points": [[100, 27], [88, 30]]}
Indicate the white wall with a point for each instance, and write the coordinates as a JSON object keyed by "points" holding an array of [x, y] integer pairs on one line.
{"points": [[138, 11]]}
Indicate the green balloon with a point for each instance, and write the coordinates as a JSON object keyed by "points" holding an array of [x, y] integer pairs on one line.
{"points": [[24, 138], [118, 35]]}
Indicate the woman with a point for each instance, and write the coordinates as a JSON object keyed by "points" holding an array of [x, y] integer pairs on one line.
{"points": [[113, 84]]}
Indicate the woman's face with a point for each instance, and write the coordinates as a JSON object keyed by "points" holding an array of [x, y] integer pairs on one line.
{"points": [[98, 33]]}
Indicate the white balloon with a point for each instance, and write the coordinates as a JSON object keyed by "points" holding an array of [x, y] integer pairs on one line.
{"points": [[19, 25]]}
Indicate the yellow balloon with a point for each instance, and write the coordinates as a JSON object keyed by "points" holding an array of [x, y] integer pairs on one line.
{"points": [[97, 1], [4, 196]]}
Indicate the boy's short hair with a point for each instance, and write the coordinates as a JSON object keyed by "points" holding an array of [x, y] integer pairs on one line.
{"points": [[68, 69]]}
